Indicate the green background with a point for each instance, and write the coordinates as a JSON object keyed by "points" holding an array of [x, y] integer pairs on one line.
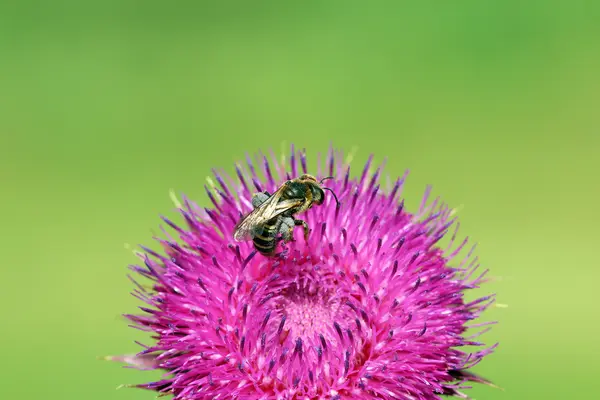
{"points": [[106, 105]]}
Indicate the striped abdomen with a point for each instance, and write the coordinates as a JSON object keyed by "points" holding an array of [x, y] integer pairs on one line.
{"points": [[266, 242]]}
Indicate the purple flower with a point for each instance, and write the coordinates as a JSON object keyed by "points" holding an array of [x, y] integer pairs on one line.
{"points": [[368, 307]]}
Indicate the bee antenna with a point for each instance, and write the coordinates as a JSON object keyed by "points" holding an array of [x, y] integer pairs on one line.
{"points": [[327, 177], [334, 196]]}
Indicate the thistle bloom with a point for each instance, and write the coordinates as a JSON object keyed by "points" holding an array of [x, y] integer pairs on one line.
{"points": [[368, 307]]}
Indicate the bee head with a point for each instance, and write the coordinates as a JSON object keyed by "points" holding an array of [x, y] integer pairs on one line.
{"points": [[318, 194]]}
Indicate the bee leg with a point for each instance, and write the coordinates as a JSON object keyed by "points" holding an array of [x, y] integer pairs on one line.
{"points": [[259, 198], [284, 235], [298, 222], [286, 229]]}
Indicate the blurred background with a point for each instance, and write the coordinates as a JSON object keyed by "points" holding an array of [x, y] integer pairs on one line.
{"points": [[106, 105]]}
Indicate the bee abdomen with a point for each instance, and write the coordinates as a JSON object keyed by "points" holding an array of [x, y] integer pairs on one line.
{"points": [[265, 242], [264, 248]]}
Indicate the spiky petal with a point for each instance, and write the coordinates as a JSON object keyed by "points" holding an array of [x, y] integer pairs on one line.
{"points": [[368, 307]]}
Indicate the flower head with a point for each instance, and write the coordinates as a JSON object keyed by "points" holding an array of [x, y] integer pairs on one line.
{"points": [[367, 307]]}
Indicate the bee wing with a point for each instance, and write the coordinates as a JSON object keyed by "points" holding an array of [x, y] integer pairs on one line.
{"points": [[247, 230], [251, 225]]}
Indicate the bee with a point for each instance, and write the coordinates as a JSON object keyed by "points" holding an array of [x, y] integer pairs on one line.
{"points": [[272, 218]]}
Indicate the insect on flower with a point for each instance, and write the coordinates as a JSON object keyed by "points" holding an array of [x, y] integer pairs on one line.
{"points": [[274, 215], [368, 306]]}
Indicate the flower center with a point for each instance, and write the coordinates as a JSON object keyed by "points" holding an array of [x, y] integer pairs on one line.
{"points": [[308, 316], [310, 310]]}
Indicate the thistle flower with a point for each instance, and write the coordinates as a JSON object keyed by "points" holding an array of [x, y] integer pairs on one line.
{"points": [[368, 307]]}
